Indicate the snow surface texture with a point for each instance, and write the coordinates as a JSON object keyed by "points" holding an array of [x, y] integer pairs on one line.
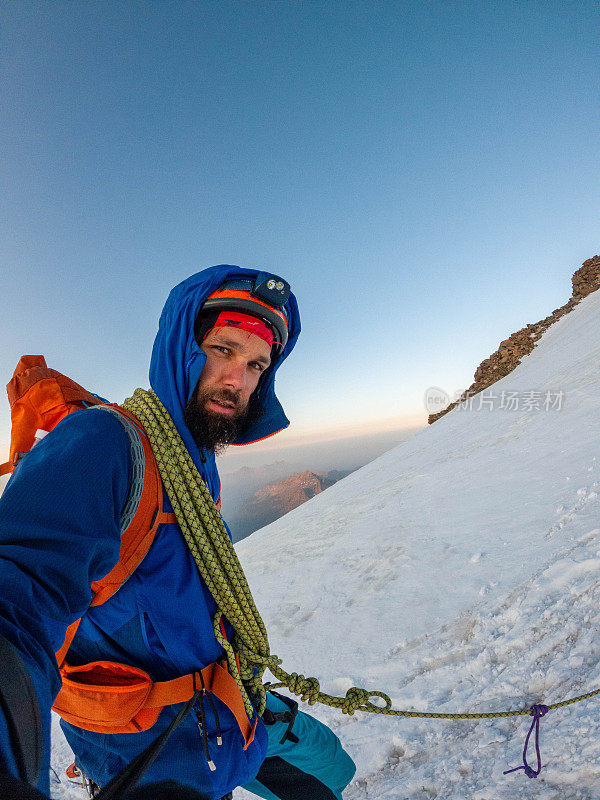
{"points": [[457, 572]]}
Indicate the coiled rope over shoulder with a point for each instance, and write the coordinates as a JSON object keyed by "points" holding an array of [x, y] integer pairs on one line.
{"points": [[218, 564], [206, 536]]}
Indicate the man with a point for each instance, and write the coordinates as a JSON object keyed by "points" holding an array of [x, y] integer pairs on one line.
{"points": [[223, 334]]}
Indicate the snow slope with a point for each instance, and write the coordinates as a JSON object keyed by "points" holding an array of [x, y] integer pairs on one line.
{"points": [[457, 572]]}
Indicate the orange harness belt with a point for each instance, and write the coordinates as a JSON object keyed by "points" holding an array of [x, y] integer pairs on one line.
{"points": [[107, 697]]}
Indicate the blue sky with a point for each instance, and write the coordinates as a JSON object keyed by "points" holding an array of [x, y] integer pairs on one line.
{"points": [[424, 173]]}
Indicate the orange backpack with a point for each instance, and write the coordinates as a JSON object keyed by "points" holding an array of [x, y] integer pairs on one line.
{"points": [[39, 398], [105, 696]]}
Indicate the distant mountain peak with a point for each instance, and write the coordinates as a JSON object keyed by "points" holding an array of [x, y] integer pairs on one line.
{"points": [[273, 501]]}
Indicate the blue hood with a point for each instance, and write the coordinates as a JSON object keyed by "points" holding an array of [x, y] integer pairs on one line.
{"points": [[177, 361]]}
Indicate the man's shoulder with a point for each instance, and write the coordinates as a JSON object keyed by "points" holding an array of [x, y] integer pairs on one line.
{"points": [[94, 421], [83, 461], [99, 432]]}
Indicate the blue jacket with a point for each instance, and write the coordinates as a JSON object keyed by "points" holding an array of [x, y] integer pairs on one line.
{"points": [[60, 530]]}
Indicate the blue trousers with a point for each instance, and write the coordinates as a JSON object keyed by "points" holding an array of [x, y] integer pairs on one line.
{"points": [[309, 764]]}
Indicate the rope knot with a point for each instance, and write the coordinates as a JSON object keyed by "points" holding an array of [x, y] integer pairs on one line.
{"points": [[307, 689], [272, 661], [537, 712], [360, 699], [354, 699]]}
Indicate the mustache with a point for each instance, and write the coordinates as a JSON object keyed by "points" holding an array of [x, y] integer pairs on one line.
{"points": [[227, 395]]}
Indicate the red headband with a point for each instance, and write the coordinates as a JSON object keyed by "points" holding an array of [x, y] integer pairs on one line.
{"points": [[235, 319]]}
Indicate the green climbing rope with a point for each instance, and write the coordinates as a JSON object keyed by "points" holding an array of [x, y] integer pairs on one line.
{"points": [[218, 564]]}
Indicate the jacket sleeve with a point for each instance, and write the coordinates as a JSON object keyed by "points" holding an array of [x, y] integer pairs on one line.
{"points": [[59, 531]]}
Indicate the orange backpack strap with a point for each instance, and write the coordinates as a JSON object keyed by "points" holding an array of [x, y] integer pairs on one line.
{"points": [[143, 511], [39, 398]]}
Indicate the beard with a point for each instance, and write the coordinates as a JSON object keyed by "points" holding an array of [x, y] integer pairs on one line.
{"points": [[213, 431]]}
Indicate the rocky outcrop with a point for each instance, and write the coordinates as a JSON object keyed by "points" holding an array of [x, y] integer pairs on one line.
{"points": [[585, 281]]}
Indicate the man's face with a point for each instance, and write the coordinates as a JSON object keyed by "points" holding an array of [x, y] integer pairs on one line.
{"points": [[235, 360]]}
